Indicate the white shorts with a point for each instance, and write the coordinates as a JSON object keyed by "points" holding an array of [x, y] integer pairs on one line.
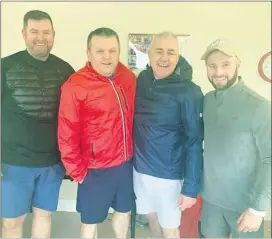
{"points": [[160, 196]]}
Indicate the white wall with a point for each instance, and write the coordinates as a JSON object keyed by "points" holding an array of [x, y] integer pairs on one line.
{"points": [[247, 24]]}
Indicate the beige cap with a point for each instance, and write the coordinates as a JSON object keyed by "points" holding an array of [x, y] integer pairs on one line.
{"points": [[221, 45]]}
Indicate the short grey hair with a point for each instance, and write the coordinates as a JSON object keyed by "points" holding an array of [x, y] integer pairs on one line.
{"points": [[163, 34]]}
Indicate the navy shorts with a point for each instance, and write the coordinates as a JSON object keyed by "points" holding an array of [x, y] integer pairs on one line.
{"points": [[25, 187], [103, 189]]}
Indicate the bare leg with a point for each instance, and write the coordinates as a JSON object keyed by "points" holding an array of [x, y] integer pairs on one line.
{"points": [[41, 224], [120, 224], [154, 225], [88, 231], [13, 227], [171, 233]]}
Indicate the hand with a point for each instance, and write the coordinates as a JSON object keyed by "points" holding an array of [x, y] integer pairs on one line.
{"points": [[186, 202], [81, 181], [85, 175], [249, 222]]}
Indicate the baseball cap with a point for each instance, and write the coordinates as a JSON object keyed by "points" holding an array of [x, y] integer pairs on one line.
{"points": [[221, 45]]}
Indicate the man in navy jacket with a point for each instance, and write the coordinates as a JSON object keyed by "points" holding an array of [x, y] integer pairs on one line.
{"points": [[168, 136]]}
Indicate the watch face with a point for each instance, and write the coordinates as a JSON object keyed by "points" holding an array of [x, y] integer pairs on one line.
{"points": [[267, 67], [264, 67]]}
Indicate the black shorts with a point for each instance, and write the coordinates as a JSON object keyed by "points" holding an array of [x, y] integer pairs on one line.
{"points": [[103, 189]]}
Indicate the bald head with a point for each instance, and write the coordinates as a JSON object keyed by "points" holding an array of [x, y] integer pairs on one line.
{"points": [[164, 54]]}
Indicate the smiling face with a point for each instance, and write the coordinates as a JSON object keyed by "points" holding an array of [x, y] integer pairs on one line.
{"points": [[164, 56], [103, 54], [39, 38], [222, 69]]}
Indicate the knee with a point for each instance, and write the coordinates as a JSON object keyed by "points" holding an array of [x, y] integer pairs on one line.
{"points": [[88, 230], [152, 217], [120, 219], [171, 233], [12, 223], [40, 213], [121, 216], [90, 227], [120, 224]]}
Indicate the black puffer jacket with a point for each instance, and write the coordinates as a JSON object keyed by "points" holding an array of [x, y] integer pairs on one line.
{"points": [[30, 91]]}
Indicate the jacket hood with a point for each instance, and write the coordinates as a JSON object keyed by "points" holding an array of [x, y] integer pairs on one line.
{"points": [[183, 70]]}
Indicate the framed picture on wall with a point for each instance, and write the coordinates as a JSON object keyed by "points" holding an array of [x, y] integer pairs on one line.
{"points": [[138, 45]]}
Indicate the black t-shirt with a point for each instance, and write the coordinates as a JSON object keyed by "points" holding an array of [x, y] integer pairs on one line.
{"points": [[30, 92]]}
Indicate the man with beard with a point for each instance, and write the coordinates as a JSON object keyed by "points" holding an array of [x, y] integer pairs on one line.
{"points": [[168, 135], [237, 153], [31, 172]]}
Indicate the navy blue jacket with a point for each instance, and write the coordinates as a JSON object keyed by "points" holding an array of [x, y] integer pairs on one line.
{"points": [[168, 127]]}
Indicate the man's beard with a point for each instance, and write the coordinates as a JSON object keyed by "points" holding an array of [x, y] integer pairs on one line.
{"points": [[229, 83]]}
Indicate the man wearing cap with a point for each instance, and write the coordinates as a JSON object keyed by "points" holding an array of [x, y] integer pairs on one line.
{"points": [[236, 184]]}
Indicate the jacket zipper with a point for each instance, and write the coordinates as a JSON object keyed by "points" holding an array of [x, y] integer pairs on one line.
{"points": [[123, 118], [125, 100], [93, 157]]}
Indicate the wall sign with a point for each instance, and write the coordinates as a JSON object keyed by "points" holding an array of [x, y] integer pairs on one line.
{"points": [[264, 67]]}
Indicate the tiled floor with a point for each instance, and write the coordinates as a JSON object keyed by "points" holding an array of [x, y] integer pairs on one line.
{"points": [[67, 224]]}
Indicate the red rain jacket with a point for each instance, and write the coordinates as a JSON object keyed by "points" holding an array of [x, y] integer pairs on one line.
{"points": [[95, 120]]}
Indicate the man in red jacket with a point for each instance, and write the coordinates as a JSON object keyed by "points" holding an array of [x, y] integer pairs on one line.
{"points": [[95, 134]]}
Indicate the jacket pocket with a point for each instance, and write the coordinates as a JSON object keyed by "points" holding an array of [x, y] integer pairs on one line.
{"points": [[125, 100], [93, 155]]}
